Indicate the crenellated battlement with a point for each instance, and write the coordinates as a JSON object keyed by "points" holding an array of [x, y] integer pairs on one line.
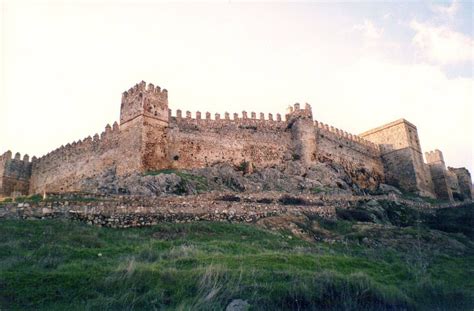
{"points": [[296, 112], [208, 116], [143, 88], [15, 173], [244, 115], [372, 147], [434, 157], [82, 145], [209, 120], [8, 155]]}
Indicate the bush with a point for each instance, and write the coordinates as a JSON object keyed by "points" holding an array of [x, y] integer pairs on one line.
{"points": [[35, 198], [289, 200], [354, 215], [265, 201], [229, 198], [21, 199]]}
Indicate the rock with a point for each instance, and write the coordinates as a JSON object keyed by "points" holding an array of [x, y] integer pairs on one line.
{"points": [[46, 211], [384, 188], [238, 305], [289, 177]]}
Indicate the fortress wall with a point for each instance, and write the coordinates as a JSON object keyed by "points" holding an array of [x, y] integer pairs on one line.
{"points": [[14, 174], [429, 179], [62, 169], [343, 147], [154, 144], [198, 142], [440, 182]]}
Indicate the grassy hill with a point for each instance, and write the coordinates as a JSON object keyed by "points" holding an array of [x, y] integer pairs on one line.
{"points": [[307, 263]]}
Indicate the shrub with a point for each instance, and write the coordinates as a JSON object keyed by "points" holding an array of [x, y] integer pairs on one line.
{"points": [[21, 199], [289, 200], [229, 198], [35, 198], [265, 201]]}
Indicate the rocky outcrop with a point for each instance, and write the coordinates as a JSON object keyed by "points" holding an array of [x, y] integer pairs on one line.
{"points": [[293, 177]]}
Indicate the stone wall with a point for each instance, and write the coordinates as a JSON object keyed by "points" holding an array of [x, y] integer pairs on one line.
{"points": [[132, 211], [197, 142], [358, 156], [62, 169]]}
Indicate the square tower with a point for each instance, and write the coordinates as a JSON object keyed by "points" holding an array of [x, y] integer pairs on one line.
{"points": [[15, 174], [144, 119], [402, 157], [142, 100]]}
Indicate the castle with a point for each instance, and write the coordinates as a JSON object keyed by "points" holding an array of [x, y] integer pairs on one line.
{"points": [[150, 138]]}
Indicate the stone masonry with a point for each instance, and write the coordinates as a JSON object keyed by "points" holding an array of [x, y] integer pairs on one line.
{"points": [[150, 137]]}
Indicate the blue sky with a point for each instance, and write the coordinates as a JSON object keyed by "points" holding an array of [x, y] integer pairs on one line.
{"points": [[359, 64]]}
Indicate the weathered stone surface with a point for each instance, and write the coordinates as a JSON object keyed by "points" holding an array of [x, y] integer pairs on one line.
{"points": [[384, 188], [463, 177], [439, 175], [292, 178]]}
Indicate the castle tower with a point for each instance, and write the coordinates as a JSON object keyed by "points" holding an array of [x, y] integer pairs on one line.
{"points": [[300, 121], [14, 174], [439, 175], [144, 115], [402, 156]]}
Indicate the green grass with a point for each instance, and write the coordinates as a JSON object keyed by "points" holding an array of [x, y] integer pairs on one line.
{"points": [[36, 198], [23, 199], [57, 265]]}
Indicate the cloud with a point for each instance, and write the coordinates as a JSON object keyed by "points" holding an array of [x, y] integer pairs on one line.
{"points": [[447, 11], [369, 30], [442, 45]]}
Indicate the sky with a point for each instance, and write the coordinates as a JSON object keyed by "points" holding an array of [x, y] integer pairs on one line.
{"points": [[360, 65]]}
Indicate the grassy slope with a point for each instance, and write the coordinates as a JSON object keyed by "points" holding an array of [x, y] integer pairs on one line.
{"points": [[58, 265]]}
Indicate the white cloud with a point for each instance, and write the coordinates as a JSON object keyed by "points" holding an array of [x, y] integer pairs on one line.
{"points": [[447, 11], [369, 30], [441, 44]]}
